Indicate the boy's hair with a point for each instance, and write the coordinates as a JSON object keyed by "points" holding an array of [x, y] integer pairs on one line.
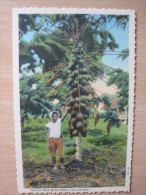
{"points": [[55, 113]]}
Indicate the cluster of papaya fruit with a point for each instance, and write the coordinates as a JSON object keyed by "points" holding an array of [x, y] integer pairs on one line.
{"points": [[78, 102]]}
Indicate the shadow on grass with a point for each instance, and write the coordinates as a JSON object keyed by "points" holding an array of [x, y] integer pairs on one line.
{"points": [[95, 132]]}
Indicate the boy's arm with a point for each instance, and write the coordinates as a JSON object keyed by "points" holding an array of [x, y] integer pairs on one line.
{"points": [[48, 134], [64, 115], [62, 118]]}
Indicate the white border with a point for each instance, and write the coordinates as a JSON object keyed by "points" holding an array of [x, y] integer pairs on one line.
{"points": [[16, 12]]}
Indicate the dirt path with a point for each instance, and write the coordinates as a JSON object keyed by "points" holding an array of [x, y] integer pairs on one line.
{"points": [[75, 174]]}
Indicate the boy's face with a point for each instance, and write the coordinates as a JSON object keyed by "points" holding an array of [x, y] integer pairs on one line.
{"points": [[55, 117]]}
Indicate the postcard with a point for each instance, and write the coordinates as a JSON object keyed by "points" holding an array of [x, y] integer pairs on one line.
{"points": [[73, 77]]}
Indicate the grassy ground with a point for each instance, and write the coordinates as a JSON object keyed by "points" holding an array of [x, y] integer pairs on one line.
{"points": [[104, 157]]}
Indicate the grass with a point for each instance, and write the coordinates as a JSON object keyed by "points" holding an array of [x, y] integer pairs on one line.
{"points": [[104, 156], [34, 143]]}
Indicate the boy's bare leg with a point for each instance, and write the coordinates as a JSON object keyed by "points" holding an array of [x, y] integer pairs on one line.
{"points": [[60, 152], [61, 163], [52, 150], [54, 163]]}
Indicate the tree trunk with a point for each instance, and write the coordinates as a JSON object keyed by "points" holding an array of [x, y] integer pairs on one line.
{"points": [[79, 147]]}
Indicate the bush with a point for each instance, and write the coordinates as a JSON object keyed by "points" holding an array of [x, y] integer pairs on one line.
{"points": [[108, 140], [70, 151]]}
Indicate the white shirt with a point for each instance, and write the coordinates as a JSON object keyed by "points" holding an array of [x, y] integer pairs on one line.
{"points": [[54, 129]]}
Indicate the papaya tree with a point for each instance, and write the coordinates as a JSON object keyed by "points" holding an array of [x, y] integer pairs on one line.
{"points": [[80, 96], [85, 39]]}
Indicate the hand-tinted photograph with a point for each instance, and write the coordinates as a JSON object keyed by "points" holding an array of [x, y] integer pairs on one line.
{"points": [[74, 99]]}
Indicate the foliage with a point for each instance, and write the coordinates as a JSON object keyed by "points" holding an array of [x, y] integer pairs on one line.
{"points": [[109, 115], [26, 56], [124, 54], [112, 117], [120, 20], [31, 102], [27, 23], [121, 79], [78, 84], [50, 49], [70, 49], [105, 100], [34, 143]]}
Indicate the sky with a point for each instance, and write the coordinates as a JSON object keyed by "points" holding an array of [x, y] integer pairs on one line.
{"points": [[121, 37]]}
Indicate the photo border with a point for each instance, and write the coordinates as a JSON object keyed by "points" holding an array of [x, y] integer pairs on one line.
{"points": [[18, 147]]}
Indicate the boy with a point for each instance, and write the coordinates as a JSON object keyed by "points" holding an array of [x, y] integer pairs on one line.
{"points": [[54, 139]]}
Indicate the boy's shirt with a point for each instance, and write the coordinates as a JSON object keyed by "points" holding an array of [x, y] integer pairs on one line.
{"points": [[55, 129]]}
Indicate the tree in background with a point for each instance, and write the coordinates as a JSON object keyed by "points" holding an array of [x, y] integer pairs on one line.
{"points": [[110, 116], [121, 80], [32, 101]]}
